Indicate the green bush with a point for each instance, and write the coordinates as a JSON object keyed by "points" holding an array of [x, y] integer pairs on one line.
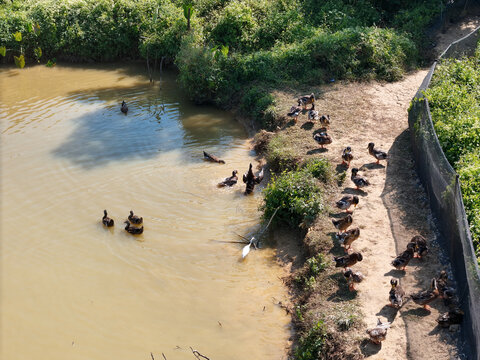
{"points": [[257, 104], [319, 168], [454, 98], [297, 196], [311, 344], [280, 155]]}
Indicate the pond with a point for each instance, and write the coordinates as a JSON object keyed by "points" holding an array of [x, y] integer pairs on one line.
{"points": [[72, 289]]}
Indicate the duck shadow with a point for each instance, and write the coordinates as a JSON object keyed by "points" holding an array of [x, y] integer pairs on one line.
{"points": [[340, 168], [354, 191], [307, 125], [389, 312], [419, 312], [343, 293], [369, 348], [395, 273], [317, 151], [371, 166]]}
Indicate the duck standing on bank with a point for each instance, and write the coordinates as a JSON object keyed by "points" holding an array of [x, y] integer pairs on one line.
{"points": [[322, 138], [379, 332], [345, 202], [251, 180], [313, 114], [347, 156], [306, 100], [325, 120], [343, 223], [348, 237], [347, 260], [352, 278], [358, 180], [427, 296], [396, 295], [377, 153], [402, 260], [294, 112], [229, 181]]}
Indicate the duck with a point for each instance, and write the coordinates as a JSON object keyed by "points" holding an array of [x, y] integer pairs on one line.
{"points": [[313, 114], [358, 180], [322, 138], [352, 278], [347, 156], [348, 237], [306, 100], [396, 294], [251, 180], [402, 260], [294, 112], [108, 222], [347, 260], [427, 296], [345, 202], [212, 158], [376, 153], [421, 247], [229, 181], [134, 219], [452, 317], [133, 230], [325, 120], [343, 223], [379, 332], [445, 291], [124, 108]]}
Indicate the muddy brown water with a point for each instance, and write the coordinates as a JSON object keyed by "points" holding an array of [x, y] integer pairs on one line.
{"points": [[72, 289]]}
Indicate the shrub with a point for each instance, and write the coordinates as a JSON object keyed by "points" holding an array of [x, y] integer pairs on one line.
{"points": [[321, 169], [297, 196], [280, 155], [312, 343]]}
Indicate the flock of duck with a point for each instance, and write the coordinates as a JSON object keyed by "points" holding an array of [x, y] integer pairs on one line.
{"points": [[416, 248], [134, 224]]}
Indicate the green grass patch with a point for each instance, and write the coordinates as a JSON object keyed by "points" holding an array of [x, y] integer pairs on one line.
{"points": [[454, 98]]}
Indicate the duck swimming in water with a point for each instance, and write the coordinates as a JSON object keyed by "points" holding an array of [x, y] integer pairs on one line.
{"points": [[251, 180], [106, 220], [212, 158], [124, 108], [134, 219], [133, 230], [229, 181]]}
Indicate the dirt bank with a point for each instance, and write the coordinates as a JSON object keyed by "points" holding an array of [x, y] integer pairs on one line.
{"points": [[391, 211]]}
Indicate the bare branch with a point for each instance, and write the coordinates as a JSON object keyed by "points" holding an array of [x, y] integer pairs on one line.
{"points": [[198, 355]]}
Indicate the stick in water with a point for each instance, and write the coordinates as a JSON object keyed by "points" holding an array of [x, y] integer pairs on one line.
{"points": [[246, 249]]}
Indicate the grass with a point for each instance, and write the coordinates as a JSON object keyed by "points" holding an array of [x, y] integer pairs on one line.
{"points": [[454, 98]]}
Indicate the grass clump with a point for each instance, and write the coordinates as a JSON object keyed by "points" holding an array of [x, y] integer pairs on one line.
{"points": [[312, 343], [280, 155], [297, 196], [454, 98]]}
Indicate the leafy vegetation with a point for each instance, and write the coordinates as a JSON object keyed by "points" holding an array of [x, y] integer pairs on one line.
{"points": [[228, 52], [312, 343], [454, 98]]}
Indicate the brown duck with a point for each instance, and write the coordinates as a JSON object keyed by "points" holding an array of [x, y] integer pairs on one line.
{"points": [[229, 181], [377, 153], [124, 108], [348, 237], [106, 220], [306, 100], [212, 158], [396, 294], [402, 260], [347, 260], [427, 296], [358, 180], [347, 156], [322, 138], [378, 333], [343, 223], [250, 179], [133, 230], [345, 202], [353, 277]]}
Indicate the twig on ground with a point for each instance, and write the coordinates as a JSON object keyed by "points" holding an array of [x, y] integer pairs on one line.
{"points": [[198, 355]]}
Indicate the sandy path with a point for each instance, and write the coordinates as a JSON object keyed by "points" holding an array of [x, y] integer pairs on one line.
{"points": [[392, 210]]}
